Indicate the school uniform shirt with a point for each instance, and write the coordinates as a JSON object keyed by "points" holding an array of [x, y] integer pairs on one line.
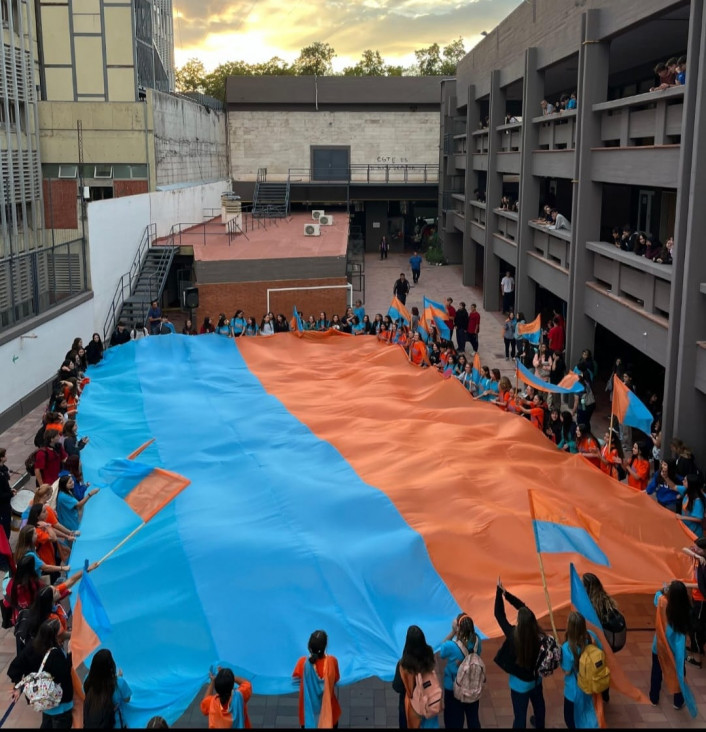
{"points": [[49, 461], [642, 468], [298, 673], [220, 718], [697, 511]]}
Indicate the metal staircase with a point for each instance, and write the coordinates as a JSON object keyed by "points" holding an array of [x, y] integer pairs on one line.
{"points": [[143, 283], [270, 200]]}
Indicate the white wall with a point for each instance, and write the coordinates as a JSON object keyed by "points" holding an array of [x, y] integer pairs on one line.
{"points": [[280, 140], [115, 227]]}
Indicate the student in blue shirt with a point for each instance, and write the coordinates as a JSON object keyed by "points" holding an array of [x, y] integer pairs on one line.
{"points": [[692, 507], [238, 324], [359, 310], [415, 262], [106, 692], [223, 327], [578, 706], [464, 632], [664, 485]]}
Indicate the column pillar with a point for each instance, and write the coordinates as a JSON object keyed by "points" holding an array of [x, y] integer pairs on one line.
{"points": [[684, 406], [532, 94], [469, 246], [494, 191], [594, 67]]}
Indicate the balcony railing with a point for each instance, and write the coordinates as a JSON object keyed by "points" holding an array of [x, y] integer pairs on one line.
{"points": [[478, 213], [414, 173], [459, 144], [506, 224], [557, 131], [509, 137], [552, 244], [642, 283], [654, 118], [480, 142]]}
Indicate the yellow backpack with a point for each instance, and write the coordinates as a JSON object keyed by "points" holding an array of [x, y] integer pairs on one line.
{"points": [[593, 675]]}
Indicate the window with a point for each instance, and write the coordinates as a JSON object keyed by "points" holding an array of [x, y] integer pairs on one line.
{"points": [[68, 171], [100, 193], [103, 171]]}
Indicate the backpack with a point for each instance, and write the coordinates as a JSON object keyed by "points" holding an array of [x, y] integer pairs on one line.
{"points": [[593, 676], [615, 630], [41, 690], [22, 628], [31, 460], [427, 696], [549, 656], [470, 677]]}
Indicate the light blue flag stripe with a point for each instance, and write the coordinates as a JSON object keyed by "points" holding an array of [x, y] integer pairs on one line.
{"points": [[554, 538]]}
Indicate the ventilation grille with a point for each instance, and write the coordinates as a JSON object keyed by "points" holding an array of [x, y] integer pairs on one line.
{"points": [[20, 176], [16, 71]]}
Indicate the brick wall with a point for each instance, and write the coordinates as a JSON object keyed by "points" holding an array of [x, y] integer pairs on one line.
{"points": [[281, 140], [60, 204], [252, 298], [129, 187]]}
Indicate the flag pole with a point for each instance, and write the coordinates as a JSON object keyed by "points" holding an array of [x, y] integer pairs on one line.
{"points": [[610, 425], [546, 595], [119, 545]]}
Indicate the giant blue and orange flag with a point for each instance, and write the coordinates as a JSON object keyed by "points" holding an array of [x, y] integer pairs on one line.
{"points": [[629, 409], [531, 332], [476, 371], [397, 311], [436, 313], [296, 324], [560, 529]]}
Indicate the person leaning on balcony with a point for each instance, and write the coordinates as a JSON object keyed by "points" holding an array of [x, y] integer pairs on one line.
{"points": [[559, 221], [571, 104], [665, 255], [547, 108]]}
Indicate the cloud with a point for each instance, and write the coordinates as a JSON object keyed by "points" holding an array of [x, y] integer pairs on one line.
{"points": [[255, 30]]}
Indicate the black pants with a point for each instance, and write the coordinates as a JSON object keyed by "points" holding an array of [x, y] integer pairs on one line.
{"points": [[698, 626], [508, 301], [520, 702], [473, 340], [509, 346], [6, 519], [415, 275], [57, 721], [656, 684], [383, 254], [455, 712], [461, 336]]}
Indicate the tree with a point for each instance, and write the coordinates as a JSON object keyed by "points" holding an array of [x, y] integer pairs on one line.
{"points": [[392, 70], [191, 76], [315, 59], [215, 82], [371, 64], [452, 53], [274, 67], [429, 60]]}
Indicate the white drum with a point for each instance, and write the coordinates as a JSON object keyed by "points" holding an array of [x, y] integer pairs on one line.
{"points": [[20, 503]]}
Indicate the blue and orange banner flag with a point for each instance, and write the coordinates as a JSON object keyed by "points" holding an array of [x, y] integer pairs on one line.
{"points": [[145, 489], [559, 529], [476, 370], [398, 311], [618, 678], [91, 623], [296, 324], [629, 409], [436, 313], [568, 385], [531, 332]]}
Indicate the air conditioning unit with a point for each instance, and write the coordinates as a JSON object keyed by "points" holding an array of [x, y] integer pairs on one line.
{"points": [[316, 215], [326, 220], [312, 230]]}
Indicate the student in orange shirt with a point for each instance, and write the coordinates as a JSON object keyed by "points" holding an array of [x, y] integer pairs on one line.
{"points": [[611, 462], [317, 677], [417, 350], [587, 445], [504, 393], [638, 468], [228, 706]]}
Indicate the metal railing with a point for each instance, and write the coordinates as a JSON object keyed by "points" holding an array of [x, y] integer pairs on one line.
{"points": [[261, 175], [369, 173], [35, 281], [128, 281]]}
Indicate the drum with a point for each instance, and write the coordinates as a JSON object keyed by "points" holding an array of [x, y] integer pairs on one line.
{"points": [[20, 503]]}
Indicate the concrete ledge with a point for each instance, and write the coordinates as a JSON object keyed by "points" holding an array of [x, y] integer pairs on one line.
{"points": [[663, 271], [646, 98], [24, 406], [31, 323]]}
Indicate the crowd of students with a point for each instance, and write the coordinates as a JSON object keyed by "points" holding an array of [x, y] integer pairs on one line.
{"points": [[643, 244], [39, 581]]}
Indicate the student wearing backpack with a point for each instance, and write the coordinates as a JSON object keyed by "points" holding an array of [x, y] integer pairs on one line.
{"points": [[464, 674], [698, 601], [518, 657], [423, 693], [578, 706]]}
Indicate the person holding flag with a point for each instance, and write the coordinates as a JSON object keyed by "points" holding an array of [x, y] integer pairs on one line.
{"points": [[628, 409], [398, 312], [418, 354]]}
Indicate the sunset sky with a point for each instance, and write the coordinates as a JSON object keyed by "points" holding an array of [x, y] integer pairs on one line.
{"points": [[255, 30]]}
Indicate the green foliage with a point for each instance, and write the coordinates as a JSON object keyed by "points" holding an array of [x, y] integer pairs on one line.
{"points": [[316, 59], [434, 253]]}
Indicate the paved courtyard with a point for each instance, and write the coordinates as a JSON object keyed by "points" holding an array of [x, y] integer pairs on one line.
{"points": [[372, 703]]}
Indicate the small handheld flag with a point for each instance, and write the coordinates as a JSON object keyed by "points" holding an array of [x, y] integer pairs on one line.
{"points": [[531, 332], [629, 409], [436, 313], [398, 311]]}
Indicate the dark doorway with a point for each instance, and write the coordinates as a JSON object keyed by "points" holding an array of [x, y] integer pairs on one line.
{"points": [[330, 163]]}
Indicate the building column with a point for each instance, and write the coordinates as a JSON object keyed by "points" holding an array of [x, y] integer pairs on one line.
{"points": [[594, 68], [494, 191], [448, 174], [529, 192], [684, 406], [469, 246]]}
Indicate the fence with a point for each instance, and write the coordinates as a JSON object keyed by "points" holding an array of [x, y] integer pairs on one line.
{"points": [[33, 282]]}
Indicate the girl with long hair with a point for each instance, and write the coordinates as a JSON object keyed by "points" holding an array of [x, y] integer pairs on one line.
{"points": [[672, 625], [578, 706], [267, 327], [94, 350], [27, 547], [567, 442], [206, 326], [504, 393], [664, 485], [68, 508], [417, 658], [611, 459], [317, 677], [518, 657], [223, 326], [692, 505], [322, 324], [238, 324], [461, 636], [23, 587], [587, 445], [106, 691], [227, 708], [638, 467]]}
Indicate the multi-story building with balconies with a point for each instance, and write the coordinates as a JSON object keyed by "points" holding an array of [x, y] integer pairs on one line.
{"points": [[623, 156]]}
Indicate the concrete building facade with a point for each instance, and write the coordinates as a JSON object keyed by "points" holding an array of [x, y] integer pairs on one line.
{"points": [[624, 156]]}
